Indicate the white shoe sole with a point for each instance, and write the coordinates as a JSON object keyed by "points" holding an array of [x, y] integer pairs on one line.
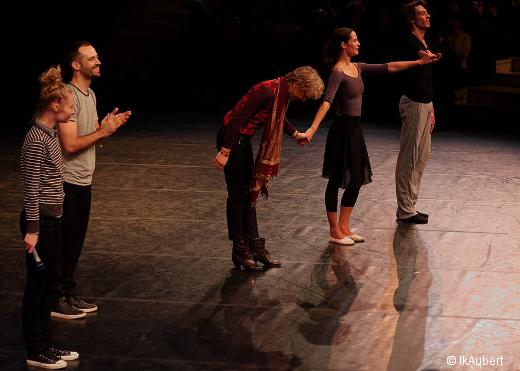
{"points": [[342, 241], [73, 356], [356, 238], [49, 366], [87, 310], [67, 316]]}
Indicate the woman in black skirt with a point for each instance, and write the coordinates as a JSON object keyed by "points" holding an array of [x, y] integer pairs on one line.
{"points": [[346, 162]]}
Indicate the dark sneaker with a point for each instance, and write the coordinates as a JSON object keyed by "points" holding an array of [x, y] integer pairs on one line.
{"points": [[63, 309], [46, 360], [81, 305], [417, 219], [58, 350]]}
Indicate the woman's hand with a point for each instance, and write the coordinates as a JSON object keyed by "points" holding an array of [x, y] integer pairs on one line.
{"points": [[220, 161], [426, 58], [310, 133], [30, 241], [302, 139]]}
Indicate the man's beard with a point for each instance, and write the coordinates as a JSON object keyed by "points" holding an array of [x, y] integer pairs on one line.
{"points": [[90, 74]]}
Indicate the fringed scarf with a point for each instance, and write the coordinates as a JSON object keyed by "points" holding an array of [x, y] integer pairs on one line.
{"points": [[267, 161]]}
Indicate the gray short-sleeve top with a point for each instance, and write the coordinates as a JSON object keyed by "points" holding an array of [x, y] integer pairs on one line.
{"points": [[348, 90]]}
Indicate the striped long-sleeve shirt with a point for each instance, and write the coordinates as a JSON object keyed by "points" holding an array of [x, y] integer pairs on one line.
{"points": [[42, 175]]}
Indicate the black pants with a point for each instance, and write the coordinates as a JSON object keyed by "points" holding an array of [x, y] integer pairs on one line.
{"points": [[76, 213], [241, 217], [41, 286]]}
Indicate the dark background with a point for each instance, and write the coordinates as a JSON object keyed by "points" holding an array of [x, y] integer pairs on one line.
{"points": [[171, 56]]}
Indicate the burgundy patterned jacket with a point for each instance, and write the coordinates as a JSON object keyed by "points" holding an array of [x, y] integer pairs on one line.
{"points": [[251, 113]]}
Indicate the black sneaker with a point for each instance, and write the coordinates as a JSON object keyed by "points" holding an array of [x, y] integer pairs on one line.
{"points": [[64, 309], [81, 305], [46, 360], [58, 350], [417, 219]]}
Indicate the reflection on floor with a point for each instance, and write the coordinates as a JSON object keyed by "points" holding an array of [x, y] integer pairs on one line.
{"points": [[157, 260]]}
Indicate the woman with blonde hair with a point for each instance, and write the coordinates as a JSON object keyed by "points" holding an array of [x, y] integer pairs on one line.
{"points": [[42, 177], [346, 162], [263, 106]]}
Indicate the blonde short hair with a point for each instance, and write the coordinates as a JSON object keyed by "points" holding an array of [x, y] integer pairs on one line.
{"points": [[309, 81]]}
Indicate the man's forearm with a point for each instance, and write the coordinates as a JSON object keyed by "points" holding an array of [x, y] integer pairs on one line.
{"points": [[81, 143]]}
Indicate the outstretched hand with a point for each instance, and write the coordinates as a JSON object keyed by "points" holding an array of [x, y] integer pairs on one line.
{"points": [[426, 57], [436, 57], [433, 58]]}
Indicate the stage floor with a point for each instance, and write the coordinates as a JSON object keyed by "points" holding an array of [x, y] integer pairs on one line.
{"points": [[157, 260]]}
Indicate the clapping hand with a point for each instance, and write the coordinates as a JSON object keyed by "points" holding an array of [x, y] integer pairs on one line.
{"points": [[113, 121]]}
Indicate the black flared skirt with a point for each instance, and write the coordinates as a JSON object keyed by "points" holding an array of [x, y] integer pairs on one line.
{"points": [[346, 160]]}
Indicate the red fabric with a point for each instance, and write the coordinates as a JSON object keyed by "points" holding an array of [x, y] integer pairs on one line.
{"points": [[251, 113], [267, 161]]}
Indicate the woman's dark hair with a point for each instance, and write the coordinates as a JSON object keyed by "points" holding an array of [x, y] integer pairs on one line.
{"points": [[332, 48]]}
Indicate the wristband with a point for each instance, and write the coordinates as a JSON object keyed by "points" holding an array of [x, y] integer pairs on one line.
{"points": [[225, 151]]}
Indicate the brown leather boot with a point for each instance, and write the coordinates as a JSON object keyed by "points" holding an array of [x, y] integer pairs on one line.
{"points": [[242, 257], [260, 253]]}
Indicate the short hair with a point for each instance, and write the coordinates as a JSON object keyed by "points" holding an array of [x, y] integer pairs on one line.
{"points": [[70, 54], [309, 81], [52, 88], [409, 9]]}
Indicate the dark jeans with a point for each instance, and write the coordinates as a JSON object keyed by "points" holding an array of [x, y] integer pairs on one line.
{"points": [[76, 213], [41, 286], [241, 217]]}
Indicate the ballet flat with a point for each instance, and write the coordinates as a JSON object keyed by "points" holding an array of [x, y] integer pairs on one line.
{"points": [[342, 241], [356, 238]]}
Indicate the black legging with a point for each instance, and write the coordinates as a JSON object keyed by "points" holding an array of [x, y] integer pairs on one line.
{"points": [[331, 197]]}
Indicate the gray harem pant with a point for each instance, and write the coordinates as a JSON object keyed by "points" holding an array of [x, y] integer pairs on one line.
{"points": [[414, 153]]}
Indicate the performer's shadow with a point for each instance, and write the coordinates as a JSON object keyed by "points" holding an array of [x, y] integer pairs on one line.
{"points": [[229, 329], [332, 275], [411, 298]]}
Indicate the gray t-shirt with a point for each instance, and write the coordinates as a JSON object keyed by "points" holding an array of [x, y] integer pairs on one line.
{"points": [[79, 167]]}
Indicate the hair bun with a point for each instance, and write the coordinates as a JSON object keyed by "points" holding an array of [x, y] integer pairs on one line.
{"points": [[52, 88], [51, 79]]}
